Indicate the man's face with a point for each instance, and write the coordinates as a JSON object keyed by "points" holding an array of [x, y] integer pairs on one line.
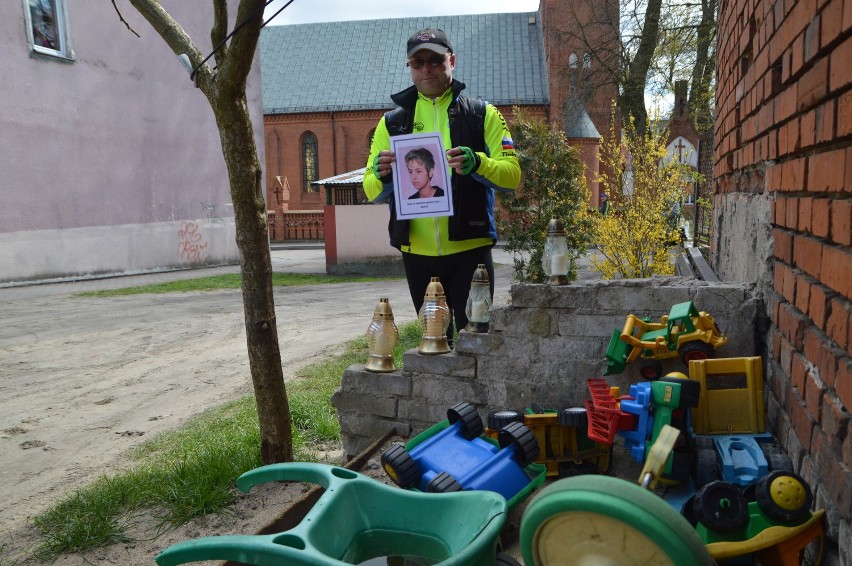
{"points": [[432, 73], [419, 174]]}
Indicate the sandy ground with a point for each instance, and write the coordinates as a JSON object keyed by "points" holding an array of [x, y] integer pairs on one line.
{"points": [[82, 380]]}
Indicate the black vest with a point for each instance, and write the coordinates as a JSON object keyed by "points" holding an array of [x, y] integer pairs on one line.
{"points": [[472, 201]]}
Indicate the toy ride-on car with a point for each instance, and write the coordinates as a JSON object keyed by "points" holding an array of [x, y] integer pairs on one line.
{"points": [[454, 455], [684, 332]]}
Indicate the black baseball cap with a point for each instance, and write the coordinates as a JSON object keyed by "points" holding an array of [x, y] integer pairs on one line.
{"points": [[432, 39]]}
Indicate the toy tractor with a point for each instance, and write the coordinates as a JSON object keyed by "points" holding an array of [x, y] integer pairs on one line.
{"points": [[565, 448], [684, 332]]}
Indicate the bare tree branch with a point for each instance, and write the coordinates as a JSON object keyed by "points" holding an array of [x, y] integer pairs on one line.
{"points": [[121, 18]]}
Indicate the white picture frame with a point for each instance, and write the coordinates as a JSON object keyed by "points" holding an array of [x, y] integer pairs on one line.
{"points": [[434, 195]]}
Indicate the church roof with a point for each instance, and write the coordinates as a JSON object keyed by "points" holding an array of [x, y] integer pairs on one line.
{"points": [[357, 65], [578, 124]]}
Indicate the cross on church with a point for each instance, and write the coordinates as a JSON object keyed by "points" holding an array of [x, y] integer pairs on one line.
{"points": [[680, 147]]}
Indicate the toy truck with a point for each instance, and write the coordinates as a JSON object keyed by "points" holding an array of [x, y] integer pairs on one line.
{"points": [[565, 447], [455, 455], [685, 332]]}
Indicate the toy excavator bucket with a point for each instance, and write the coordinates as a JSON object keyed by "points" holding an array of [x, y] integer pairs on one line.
{"points": [[616, 354]]}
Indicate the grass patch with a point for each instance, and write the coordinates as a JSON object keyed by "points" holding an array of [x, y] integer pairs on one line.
{"points": [[191, 471], [231, 281]]}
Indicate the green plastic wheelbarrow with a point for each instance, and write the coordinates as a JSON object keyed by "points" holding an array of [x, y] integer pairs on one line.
{"points": [[358, 520]]}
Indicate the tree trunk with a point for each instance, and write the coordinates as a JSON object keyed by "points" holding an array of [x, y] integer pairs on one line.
{"points": [[236, 134], [632, 100], [225, 89]]}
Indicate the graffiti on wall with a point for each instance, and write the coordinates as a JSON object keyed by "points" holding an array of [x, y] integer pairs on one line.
{"points": [[191, 246]]}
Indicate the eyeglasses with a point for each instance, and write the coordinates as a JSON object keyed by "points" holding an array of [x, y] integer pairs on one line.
{"points": [[433, 62]]}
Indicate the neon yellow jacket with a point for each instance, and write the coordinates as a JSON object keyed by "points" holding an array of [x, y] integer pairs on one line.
{"points": [[498, 169]]}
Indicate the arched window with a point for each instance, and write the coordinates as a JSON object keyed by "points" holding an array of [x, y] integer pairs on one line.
{"points": [[310, 162], [572, 61]]}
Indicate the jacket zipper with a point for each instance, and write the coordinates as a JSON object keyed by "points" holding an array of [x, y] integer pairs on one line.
{"points": [[435, 219]]}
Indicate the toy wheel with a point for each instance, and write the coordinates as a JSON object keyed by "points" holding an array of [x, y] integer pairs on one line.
{"points": [[471, 422], [776, 458], [499, 419], [574, 416], [444, 483], [400, 466], [688, 511], [690, 391], [695, 350], [650, 369], [523, 439], [706, 467], [604, 520], [721, 507], [504, 559], [783, 496]]}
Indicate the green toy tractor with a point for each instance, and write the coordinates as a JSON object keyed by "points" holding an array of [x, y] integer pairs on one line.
{"points": [[685, 332]]}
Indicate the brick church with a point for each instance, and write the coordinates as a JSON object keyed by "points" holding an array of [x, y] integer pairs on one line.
{"points": [[325, 86]]}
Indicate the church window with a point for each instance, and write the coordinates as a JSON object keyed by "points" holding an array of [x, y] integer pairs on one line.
{"points": [[572, 60], [310, 162]]}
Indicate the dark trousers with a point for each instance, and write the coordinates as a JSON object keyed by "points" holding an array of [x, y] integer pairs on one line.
{"points": [[455, 272]]}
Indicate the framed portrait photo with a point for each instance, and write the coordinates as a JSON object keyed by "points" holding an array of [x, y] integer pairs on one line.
{"points": [[421, 176]]}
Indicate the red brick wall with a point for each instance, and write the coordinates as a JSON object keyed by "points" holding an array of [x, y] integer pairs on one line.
{"points": [[784, 122]]}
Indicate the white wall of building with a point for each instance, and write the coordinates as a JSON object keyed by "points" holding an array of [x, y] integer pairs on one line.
{"points": [[111, 162]]}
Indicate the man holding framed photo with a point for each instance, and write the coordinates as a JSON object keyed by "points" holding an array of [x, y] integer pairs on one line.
{"points": [[481, 158]]}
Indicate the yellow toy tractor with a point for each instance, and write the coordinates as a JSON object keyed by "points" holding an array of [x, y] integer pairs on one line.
{"points": [[684, 332]]}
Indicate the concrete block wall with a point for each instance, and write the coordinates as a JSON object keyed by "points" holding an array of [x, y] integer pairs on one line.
{"points": [[784, 151], [540, 349]]}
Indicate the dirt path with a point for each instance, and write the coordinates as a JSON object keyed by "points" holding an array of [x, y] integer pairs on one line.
{"points": [[84, 379]]}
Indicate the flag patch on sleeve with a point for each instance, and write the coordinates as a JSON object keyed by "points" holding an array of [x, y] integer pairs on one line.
{"points": [[508, 143]]}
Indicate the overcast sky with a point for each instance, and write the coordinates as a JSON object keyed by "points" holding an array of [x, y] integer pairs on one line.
{"points": [[307, 11]]}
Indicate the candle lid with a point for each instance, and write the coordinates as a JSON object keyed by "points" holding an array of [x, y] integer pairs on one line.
{"points": [[383, 310], [435, 290], [555, 227]]}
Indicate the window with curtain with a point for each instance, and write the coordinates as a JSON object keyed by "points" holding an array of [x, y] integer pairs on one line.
{"points": [[310, 162], [47, 27]]}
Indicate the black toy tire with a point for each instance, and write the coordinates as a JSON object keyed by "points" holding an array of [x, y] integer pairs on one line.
{"points": [[499, 419], [471, 422], [574, 417], [695, 350], [444, 483], [706, 467], [767, 500], [650, 369], [504, 559], [688, 511], [520, 436], [690, 391], [400, 466], [716, 516]]}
